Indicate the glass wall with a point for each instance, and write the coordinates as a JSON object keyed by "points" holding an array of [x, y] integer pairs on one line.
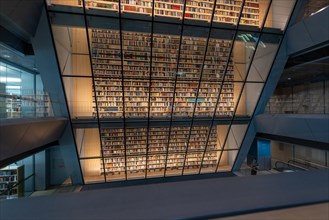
{"points": [[164, 92], [306, 98], [22, 94], [301, 156]]}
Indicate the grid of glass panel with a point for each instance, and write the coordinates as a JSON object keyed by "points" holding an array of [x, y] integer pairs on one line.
{"points": [[166, 80]]}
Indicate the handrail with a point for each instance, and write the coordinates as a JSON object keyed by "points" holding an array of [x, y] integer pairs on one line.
{"points": [[289, 165], [307, 163]]}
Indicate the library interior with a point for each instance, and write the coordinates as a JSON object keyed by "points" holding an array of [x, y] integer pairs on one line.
{"points": [[119, 92]]}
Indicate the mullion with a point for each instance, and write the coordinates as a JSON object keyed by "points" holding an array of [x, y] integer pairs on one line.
{"points": [[200, 79], [243, 85], [94, 87], [221, 87], [123, 91], [176, 77], [149, 98]]}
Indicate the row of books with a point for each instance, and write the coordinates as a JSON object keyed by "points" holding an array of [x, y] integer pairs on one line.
{"points": [[194, 9]]}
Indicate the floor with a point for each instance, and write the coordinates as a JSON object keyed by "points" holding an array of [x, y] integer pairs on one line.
{"points": [[308, 212]]}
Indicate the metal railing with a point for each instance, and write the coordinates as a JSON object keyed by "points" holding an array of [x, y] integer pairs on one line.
{"points": [[307, 164]]}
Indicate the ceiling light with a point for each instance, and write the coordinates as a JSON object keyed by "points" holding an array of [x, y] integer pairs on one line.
{"points": [[13, 87], [10, 79]]}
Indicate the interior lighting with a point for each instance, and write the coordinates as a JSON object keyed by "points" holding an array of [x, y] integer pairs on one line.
{"points": [[10, 79]]}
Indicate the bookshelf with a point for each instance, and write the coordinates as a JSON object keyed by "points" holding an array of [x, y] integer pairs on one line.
{"points": [[17, 106], [136, 150], [226, 11], [106, 61], [9, 177]]}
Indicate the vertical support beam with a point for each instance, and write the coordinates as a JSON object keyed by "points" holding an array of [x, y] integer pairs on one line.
{"points": [[47, 64], [269, 87]]}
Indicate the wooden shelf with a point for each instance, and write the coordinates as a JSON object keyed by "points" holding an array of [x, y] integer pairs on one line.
{"points": [[136, 150], [10, 176], [136, 65], [226, 11]]}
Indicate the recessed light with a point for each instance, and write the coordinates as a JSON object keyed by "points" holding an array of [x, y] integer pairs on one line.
{"points": [[289, 78], [6, 55]]}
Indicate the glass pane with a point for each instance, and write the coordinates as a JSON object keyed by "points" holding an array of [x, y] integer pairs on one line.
{"points": [[192, 52], [108, 5], [198, 138], [158, 139], [190, 67], [244, 48], [136, 167], [218, 50], [107, 67], [165, 51], [140, 7], [106, 58], [199, 10], [136, 141], [264, 57], [227, 11], [314, 102], [72, 50], [279, 14], [227, 160], [222, 131], [161, 98], [92, 170], [192, 163], [136, 98], [66, 2], [109, 97], [251, 13], [115, 168], [185, 97], [206, 102], [251, 93], [213, 141], [210, 162], [155, 165], [263, 7], [178, 139], [79, 96], [112, 142], [228, 99], [173, 9], [88, 142], [136, 56], [241, 108], [175, 164], [235, 136]]}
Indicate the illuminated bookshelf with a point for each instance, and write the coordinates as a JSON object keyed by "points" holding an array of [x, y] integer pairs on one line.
{"points": [[136, 86], [136, 149], [226, 11]]}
